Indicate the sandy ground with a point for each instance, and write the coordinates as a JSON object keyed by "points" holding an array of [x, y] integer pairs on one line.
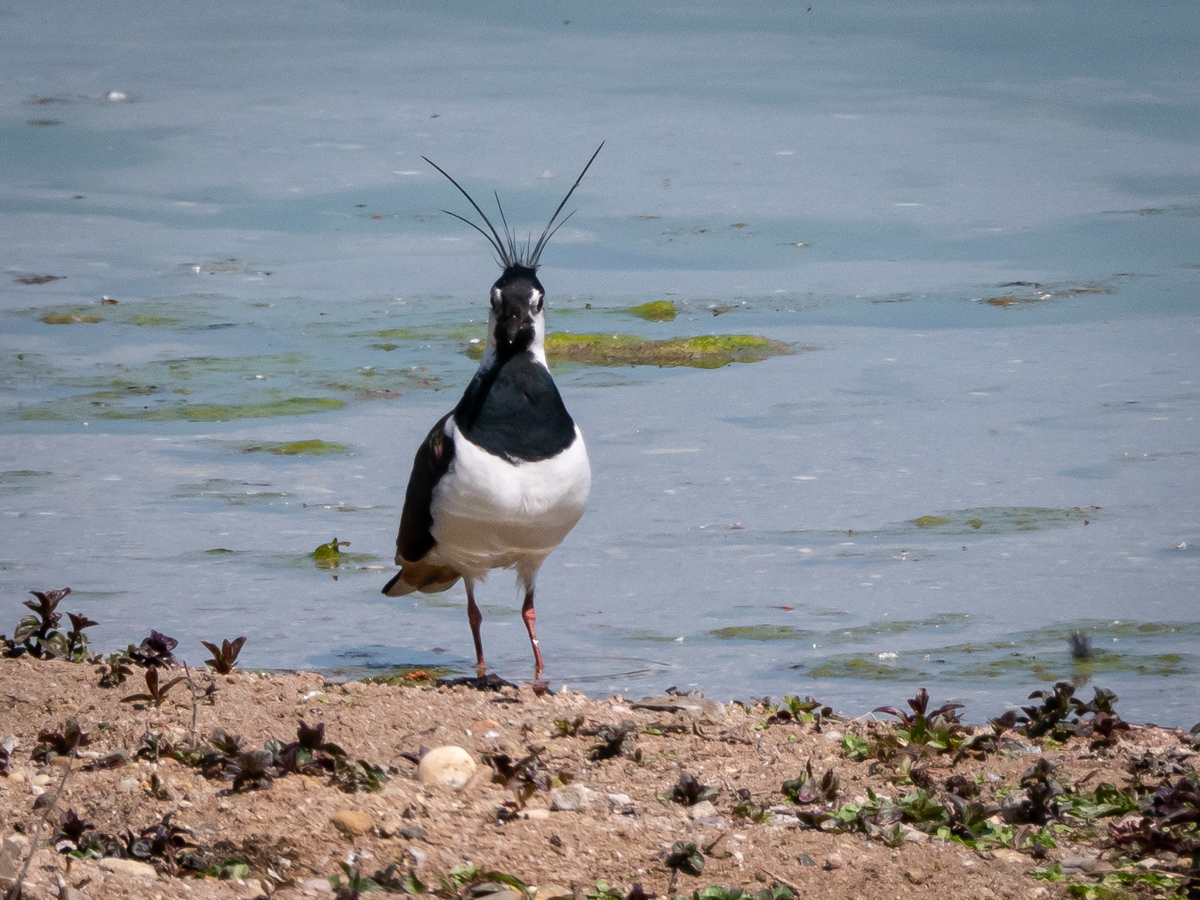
{"points": [[581, 819]]}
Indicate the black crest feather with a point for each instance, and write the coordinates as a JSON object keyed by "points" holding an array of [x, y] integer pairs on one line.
{"points": [[508, 248]]}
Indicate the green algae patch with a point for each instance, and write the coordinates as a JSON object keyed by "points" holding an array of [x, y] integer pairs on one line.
{"points": [[63, 318], [19, 480], [1002, 519], [866, 668], [410, 675], [1058, 666], [952, 622], [215, 412], [654, 311], [144, 321], [332, 556], [762, 633], [703, 352], [297, 448], [930, 521], [230, 492], [457, 332]]}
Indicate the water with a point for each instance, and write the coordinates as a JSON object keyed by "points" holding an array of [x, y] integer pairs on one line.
{"points": [[949, 475]]}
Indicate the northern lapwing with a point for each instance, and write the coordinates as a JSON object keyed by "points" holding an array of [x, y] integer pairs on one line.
{"points": [[501, 479]]}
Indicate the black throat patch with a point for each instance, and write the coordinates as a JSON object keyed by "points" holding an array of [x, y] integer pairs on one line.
{"points": [[513, 410]]}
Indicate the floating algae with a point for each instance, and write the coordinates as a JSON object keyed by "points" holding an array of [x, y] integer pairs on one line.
{"points": [[296, 448], [763, 633], [60, 318], [654, 311], [85, 406], [702, 352], [1001, 519]]}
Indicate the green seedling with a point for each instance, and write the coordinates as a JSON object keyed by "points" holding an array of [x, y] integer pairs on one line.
{"points": [[809, 789], [224, 658], [685, 857], [614, 739], [568, 727], [156, 691], [38, 635], [60, 743], [155, 650], [938, 729], [689, 791]]}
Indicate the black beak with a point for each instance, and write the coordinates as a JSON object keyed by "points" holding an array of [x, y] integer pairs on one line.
{"points": [[514, 331]]}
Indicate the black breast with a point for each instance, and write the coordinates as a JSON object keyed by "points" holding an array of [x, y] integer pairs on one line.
{"points": [[514, 411]]}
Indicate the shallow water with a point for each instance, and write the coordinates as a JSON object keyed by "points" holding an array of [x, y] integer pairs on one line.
{"points": [[946, 476]]}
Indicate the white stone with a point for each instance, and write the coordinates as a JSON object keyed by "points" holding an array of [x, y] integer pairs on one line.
{"points": [[573, 798], [702, 810], [128, 867], [12, 855], [449, 765]]}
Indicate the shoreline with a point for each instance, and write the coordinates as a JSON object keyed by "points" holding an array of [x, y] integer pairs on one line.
{"points": [[564, 792]]}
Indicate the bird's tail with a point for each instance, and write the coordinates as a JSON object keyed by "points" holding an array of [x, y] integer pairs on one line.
{"points": [[416, 577]]}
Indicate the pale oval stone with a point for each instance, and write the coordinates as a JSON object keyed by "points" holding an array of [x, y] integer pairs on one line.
{"points": [[128, 867], [41, 780], [352, 822], [449, 765], [552, 892], [702, 810], [536, 814], [834, 861]]}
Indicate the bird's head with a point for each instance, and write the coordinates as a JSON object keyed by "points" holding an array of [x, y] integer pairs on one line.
{"points": [[516, 323]]}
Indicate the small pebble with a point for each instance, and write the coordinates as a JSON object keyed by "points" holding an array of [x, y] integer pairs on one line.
{"points": [[352, 822], [702, 810], [834, 861], [41, 780], [572, 798]]}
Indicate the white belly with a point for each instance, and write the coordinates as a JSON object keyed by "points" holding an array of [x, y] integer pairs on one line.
{"points": [[492, 514]]}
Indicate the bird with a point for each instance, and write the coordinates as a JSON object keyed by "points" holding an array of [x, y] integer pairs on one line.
{"points": [[502, 478]]}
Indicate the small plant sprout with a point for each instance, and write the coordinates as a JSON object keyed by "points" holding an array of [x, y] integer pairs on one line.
{"points": [[156, 691], [614, 739], [747, 808], [809, 789], [224, 658], [685, 857], [60, 743], [938, 728], [155, 650], [689, 791], [38, 636], [568, 727]]}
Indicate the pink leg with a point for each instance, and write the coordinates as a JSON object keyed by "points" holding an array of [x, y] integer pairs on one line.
{"points": [[475, 617], [530, 617]]}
